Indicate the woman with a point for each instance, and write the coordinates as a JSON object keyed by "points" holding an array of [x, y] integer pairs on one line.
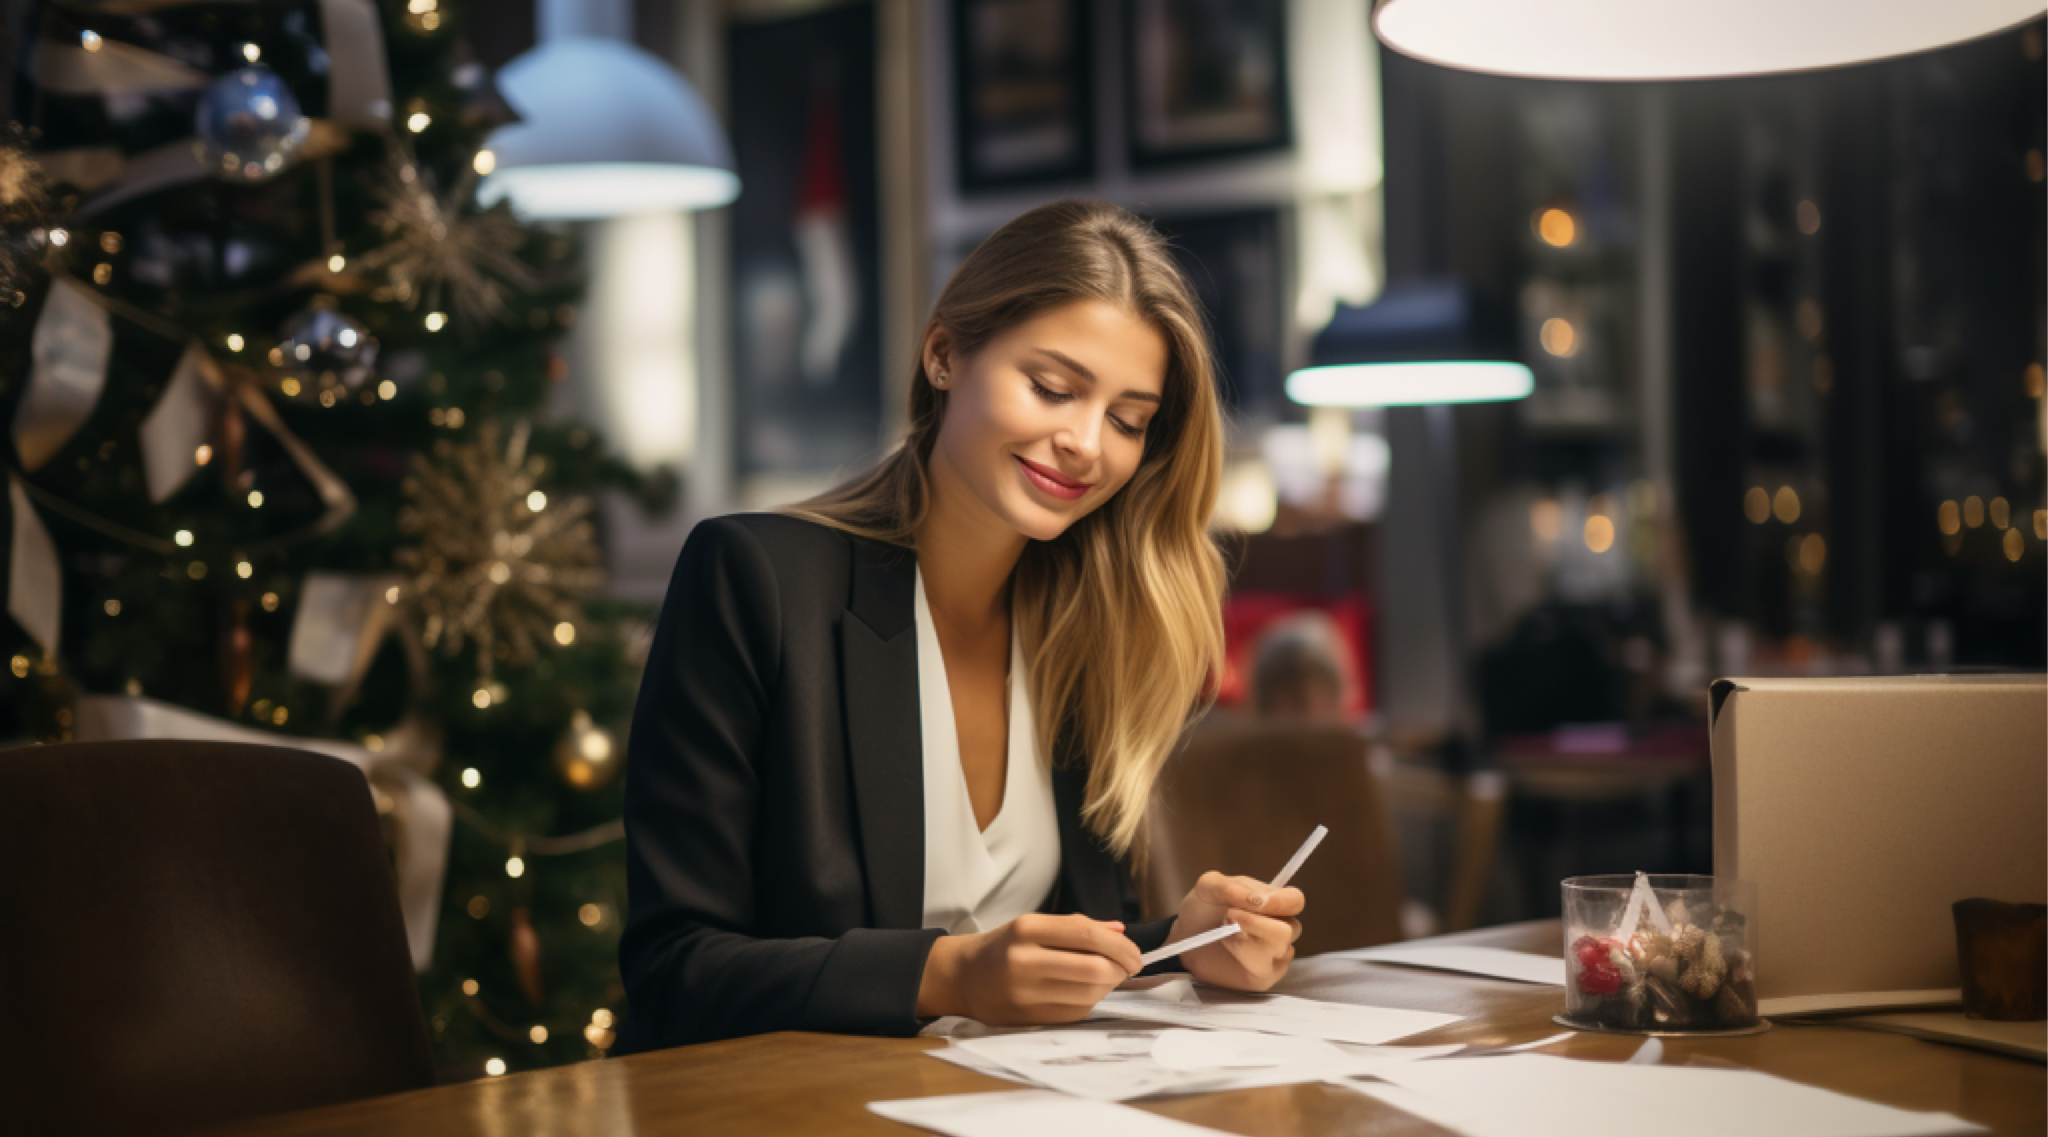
{"points": [[894, 744]]}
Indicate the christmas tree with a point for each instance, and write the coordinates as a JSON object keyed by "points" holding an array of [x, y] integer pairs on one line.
{"points": [[277, 465]]}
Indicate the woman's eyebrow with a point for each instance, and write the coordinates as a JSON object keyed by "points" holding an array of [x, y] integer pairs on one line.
{"points": [[1075, 366]]}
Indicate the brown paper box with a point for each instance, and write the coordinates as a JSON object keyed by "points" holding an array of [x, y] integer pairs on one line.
{"points": [[1864, 808]]}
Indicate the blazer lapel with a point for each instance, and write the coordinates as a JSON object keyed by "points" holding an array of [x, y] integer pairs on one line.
{"points": [[885, 744], [1088, 874]]}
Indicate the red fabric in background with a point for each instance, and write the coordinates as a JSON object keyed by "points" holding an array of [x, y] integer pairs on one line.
{"points": [[1246, 615]]}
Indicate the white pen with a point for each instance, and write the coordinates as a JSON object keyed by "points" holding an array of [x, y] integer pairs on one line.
{"points": [[1300, 855], [1227, 930], [1191, 943]]}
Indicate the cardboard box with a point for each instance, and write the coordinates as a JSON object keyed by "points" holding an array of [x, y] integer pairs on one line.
{"points": [[1862, 809]]}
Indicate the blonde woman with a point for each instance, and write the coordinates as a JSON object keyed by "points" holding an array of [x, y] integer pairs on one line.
{"points": [[894, 744]]}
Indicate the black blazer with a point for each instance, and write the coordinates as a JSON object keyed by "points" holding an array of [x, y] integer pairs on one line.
{"points": [[775, 796]]}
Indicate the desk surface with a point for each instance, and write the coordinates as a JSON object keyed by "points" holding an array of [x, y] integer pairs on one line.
{"points": [[819, 1084]]}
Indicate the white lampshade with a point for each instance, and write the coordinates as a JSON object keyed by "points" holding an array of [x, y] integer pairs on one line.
{"points": [[608, 131], [1410, 384], [1681, 39], [1422, 343]]}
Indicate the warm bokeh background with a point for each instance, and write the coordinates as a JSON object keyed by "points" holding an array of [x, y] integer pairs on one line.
{"points": [[1788, 419]]}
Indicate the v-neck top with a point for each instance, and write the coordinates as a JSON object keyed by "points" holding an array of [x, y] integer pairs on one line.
{"points": [[975, 879]]}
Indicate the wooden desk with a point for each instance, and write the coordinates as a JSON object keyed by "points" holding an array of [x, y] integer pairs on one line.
{"points": [[818, 1084]]}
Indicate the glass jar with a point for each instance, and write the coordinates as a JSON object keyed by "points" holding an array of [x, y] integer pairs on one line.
{"points": [[1660, 954]]}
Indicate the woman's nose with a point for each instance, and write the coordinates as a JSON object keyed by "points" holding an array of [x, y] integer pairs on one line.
{"points": [[1082, 438]]}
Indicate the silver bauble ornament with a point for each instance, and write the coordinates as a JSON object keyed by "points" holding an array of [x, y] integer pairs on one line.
{"points": [[321, 341], [249, 125]]}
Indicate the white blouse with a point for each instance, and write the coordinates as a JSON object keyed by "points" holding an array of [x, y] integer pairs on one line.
{"points": [[975, 879]]}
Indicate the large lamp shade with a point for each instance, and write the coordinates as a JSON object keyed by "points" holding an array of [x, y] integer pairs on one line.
{"points": [[608, 130], [1681, 39]]}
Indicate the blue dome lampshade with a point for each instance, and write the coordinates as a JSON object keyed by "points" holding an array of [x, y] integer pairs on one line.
{"points": [[1681, 39], [608, 131], [1418, 345]]}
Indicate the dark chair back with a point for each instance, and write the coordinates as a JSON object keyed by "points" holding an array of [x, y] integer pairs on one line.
{"points": [[195, 932], [1240, 798]]}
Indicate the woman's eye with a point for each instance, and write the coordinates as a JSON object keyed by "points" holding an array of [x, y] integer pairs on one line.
{"points": [[1057, 397], [1047, 393]]}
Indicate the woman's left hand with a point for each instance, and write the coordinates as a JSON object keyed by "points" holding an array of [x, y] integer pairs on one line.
{"points": [[1257, 957]]}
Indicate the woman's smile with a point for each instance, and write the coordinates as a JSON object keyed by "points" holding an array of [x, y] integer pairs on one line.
{"points": [[1052, 481]]}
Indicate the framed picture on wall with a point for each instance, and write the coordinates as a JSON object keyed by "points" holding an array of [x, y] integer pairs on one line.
{"points": [[1023, 99], [806, 246], [1204, 79]]}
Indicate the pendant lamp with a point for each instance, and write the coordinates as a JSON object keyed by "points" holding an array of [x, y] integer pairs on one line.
{"points": [[606, 130], [1681, 39], [1421, 344]]}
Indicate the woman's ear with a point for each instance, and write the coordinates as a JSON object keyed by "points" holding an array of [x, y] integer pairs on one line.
{"points": [[938, 356]]}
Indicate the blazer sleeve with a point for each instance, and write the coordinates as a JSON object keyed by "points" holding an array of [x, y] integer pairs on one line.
{"points": [[1149, 935], [692, 969]]}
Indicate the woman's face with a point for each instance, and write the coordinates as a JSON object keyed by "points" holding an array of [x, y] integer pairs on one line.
{"points": [[1047, 421]]}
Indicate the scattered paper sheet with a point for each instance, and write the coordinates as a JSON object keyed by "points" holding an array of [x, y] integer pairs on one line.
{"points": [[1032, 1113], [1534, 1095], [969, 1061], [1126, 1079], [1118, 1065], [1181, 1003], [960, 1026], [1181, 1049], [1121, 1064], [1520, 966], [1107, 1065]]}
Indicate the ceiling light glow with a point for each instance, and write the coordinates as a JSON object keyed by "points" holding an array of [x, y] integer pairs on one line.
{"points": [[1410, 384]]}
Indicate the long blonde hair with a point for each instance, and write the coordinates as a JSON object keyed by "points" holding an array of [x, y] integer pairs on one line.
{"points": [[1120, 616]]}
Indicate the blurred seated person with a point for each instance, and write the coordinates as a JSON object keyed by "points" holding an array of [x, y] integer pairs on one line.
{"points": [[1298, 669]]}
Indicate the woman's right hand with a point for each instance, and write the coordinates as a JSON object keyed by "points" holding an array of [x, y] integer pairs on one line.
{"points": [[1033, 970]]}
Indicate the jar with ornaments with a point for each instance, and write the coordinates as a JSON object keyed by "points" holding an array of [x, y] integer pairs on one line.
{"points": [[1660, 954]]}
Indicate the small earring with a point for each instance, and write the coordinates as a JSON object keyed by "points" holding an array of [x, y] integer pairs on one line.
{"points": [[939, 380]]}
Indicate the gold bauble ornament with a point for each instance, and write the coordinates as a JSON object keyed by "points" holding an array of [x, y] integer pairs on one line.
{"points": [[587, 756]]}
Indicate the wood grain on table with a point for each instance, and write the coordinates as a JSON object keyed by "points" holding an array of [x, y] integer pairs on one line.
{"points": [[820, 1085]]}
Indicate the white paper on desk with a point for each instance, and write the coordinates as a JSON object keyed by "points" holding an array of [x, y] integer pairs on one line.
{"points": [[1180, 1003], [1535, 1095], [960, 1026], [1118, 1065], [1498, 963], [1031, 1113], [1362, 1061], [968, 1060], [1182, 1049]]}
